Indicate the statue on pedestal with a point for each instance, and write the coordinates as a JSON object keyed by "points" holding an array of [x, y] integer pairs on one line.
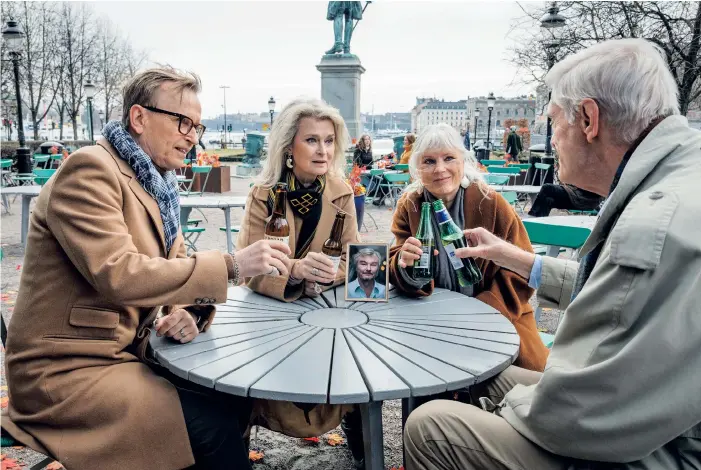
{"points": [[343, 13]]}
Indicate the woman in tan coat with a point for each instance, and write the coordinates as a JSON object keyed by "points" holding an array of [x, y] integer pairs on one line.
{"points": [[104, 254], [307, 152]]}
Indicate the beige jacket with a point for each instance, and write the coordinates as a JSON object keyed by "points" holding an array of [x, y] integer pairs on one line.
{"points": [[622, 383], [95, 275], [337, 196]]}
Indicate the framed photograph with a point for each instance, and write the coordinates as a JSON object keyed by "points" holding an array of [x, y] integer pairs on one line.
{"points": [[367, 274]]}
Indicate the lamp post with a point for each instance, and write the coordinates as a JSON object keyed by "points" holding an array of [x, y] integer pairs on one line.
{"points": [[13, 35], [490, 106], [89, 94], [477, 114], [271, 108], [102, 120], [551, 25]]}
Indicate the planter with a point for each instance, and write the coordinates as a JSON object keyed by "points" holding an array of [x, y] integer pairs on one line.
{"points": [[219, 180], [360, 209]]}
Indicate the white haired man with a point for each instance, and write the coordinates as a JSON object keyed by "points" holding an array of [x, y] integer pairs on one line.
{"points": [[621, 386]]}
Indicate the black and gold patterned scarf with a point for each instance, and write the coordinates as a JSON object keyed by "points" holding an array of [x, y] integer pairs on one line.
{"points": [[305, 203]]}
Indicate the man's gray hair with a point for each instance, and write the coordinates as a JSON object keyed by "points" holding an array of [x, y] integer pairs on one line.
{"points": [[628, 78], [142, 88], [366, 252]]}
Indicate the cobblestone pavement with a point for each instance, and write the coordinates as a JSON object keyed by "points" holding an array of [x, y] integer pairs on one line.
{"points": [[281, 452]]}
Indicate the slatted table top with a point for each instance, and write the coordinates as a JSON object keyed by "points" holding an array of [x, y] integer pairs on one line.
{"points": [[328, 350], [212, 201], [25, 190], [585, 221]]}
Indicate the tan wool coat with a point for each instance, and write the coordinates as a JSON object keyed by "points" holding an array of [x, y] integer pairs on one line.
{"points": [[281, 416], [502, 289], [95, 275]]}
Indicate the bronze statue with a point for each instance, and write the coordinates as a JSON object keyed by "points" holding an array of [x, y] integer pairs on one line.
{"points": [[338, 12]]}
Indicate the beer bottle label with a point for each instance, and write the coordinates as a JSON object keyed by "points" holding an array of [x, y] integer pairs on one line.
{"points": [[454, 260], [285, 240], [424, 261], [336, 261]]}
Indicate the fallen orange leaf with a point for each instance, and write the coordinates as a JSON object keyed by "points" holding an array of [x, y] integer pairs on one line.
{"points": [[18, 447], [9, 464], [4, 401], [54, 466], [314, 440], [334, 439], [255, 455]]}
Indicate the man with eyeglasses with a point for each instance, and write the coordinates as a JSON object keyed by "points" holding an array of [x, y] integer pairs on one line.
{"points": [[105, 268]]}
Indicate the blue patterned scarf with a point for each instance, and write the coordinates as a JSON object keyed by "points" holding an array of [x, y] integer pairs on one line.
{"points": [[163, 188]]}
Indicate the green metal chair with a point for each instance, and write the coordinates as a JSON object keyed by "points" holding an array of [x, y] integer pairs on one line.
{"points": [[55, 158], [522, 166], [395, 184], [554, 237], [489, 163], [191, 235], [542, 170], [6, 180], [504, 170], [401, 167], [496, 179], [547, 339], [43, 159], [41, 176], [377, 178], [201, 170], [511, 197]]}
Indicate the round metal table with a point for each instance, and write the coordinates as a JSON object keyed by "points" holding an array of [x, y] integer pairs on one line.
{"points": [[328, 350]]}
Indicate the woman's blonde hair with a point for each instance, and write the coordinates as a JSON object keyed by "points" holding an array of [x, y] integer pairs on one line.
{"points": [[443, 136], [285, 129]]}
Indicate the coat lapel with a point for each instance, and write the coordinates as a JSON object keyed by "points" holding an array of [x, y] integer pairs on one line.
{"points": [[145, 198], [658, 144]]}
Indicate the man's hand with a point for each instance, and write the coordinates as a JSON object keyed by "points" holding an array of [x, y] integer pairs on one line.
{"points": [[484, 244], [179, 325]]}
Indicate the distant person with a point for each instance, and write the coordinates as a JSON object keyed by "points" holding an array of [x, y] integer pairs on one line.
{"points": [[367, 263], [362, 156], [566, 197], [409, 140], [514, 146], [466, 140]]}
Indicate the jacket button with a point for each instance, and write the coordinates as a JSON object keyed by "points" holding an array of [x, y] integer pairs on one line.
{"points": [[656, 195], [198, 301]]}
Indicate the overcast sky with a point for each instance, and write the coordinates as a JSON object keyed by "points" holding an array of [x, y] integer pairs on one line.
{"points": [[448, 49]]}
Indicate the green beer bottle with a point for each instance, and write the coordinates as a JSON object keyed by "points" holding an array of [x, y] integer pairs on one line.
{"points": [[422, 271], [453, 238]]}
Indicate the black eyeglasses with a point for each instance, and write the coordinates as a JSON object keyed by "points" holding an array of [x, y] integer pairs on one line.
{"points": [[185, 124]]}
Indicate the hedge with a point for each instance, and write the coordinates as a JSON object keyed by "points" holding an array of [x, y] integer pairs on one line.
{"points": [[10, 147]]}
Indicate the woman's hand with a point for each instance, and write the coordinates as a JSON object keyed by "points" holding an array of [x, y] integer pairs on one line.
{"points": [[178, 324], [484, 244], [410, 252], [311, 289], [315, 267], [263, 257]]}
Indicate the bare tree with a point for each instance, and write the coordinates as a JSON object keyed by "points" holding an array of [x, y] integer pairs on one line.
{"points": [[77, 40], [38, 20], [674, 26]]}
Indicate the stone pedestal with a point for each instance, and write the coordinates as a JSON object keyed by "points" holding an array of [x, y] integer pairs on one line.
{"points": [[246, 169], [340, 87]]}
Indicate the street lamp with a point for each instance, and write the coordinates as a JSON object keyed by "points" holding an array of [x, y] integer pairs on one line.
{"points": [[551, 25], [102, 119], [13, 36], [90, 90], [490, 106], [271, 107], [477, 114]]}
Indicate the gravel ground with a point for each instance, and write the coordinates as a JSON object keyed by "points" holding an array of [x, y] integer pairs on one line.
{"points": [[280, 452]]}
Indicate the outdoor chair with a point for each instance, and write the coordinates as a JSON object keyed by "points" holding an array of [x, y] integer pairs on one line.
{"points": [[555, 238], [191, 235], [505, 170], [201, 170], [395, 184], [41, 176], [376, 180], [401, 167], [489, 163], [541, 169], [41, 159], [55, 158], [6, 180], [522, 166], [496, 179]]}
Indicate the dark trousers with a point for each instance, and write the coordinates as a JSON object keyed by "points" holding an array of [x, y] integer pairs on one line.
{"points": [[215, 424], [551, 196]]}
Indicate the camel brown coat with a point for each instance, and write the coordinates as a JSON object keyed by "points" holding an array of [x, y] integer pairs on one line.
{"points": [[282, 416], [95, 275], [504, 290], [337, 196]]}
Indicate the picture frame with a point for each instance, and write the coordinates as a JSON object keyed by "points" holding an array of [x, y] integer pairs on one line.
{"points": [[360, 259]]}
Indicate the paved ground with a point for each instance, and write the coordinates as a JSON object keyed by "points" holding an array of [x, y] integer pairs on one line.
{"points": [[280, 451]]}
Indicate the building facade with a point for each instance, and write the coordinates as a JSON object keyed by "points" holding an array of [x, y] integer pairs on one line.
{"points": [[453, 113], [522, 107]]}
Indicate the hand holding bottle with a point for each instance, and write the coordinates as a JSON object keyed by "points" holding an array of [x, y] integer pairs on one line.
{"points": [[411, 251], [261, 257], [484, 244]]}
